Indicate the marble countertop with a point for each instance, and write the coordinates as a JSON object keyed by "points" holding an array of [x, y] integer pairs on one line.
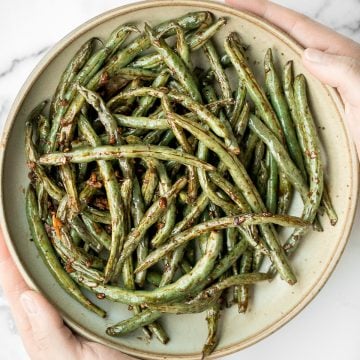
{"points": [[329, 327]]}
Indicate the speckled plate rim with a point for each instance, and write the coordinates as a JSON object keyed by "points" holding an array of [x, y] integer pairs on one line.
{"points": [[207, 5]]}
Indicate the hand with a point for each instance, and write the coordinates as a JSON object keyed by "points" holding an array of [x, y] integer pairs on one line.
{"points": [[329, 56], [40, 326]]}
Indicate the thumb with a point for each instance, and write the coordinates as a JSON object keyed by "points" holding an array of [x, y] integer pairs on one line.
{"points": [[338, 71], [47, 333]]}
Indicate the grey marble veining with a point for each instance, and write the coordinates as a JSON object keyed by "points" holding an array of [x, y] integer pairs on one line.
{"points": [[50, 21], [18, 61]]}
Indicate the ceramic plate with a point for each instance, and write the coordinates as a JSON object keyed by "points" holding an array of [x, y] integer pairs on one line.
{"points": [[274, 303]]}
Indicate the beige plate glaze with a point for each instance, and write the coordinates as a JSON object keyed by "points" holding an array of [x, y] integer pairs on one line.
{"points": [[275, 303]]}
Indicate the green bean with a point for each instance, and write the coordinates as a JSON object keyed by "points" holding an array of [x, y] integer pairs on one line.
{"points": [[141, 122], [191, 256], [278, 101], [87, 193], [68, 178], [153, 278], [44, 128], [163, 294], [146, 102], [245, 267], [259, 153], [153, 137], [61, 211], [93, 64], [177, 256], [155, 327], [239, 104], [195, 41], [289, 92], [231, 240], [218, 224], [48, 255], [31, 157], [186, 267], [143, 318], [168, 137], [175, 86], [182, 47], [128, 105], [233, 281], [96, 215], [232, 47], [235, 195], [285, 194], [167, 221], [193, 306], [183, 141], [150, 217], [96, 230], [208, 297], [76, 238], [123, 151], [280, 154], [83, 232], [75, 258], [130, 73], [326, 202], [203, 153], [243, 181], [218, 127], [105, 116], [273, 183], [212, 318], [258, 96], [43, 198], [313, 156], [251, 143], [228, 260], [210, 96], [128, 280], [219, 73], [149, 185], [257, 260], [262, 179], [125, 56], [137, 212], [175, 64], [113, 196], [172, 266], [36, 112], [208, 187], [74, 66], [203, 34], [242, 122]]}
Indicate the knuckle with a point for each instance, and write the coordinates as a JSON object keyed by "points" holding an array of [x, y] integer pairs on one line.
{"points": [[354, 66]]}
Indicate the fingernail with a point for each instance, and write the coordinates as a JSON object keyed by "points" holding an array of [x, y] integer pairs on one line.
{"points": [[28, 304], [314, 55]]}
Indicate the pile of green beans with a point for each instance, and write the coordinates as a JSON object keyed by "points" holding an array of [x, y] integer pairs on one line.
{"points": [[163, 186]]}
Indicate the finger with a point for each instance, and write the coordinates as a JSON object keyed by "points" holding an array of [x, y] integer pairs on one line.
{"points": [[101, 352], [13, 286], [50, 338], [300, 27], [353, 119], [342, 72]]}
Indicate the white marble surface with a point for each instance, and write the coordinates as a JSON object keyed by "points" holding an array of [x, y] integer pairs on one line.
{"points": [[329, 327]]}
